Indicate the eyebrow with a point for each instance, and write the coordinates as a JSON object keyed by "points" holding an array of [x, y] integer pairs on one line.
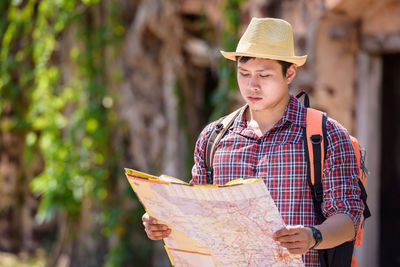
{"points": [[260, 70]]}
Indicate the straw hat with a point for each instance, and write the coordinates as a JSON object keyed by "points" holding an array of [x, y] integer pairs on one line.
{"points": [[267, 38]]}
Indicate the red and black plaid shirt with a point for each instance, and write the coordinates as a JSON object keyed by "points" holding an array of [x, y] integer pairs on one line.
{"points": [[279, 158]]}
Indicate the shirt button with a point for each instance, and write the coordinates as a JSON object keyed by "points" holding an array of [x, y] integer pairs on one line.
{"points": [[259, 141], [254, 170]]}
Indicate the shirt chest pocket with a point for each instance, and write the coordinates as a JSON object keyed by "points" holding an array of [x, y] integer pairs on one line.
{"points": [[233, 159], [284, 154]]}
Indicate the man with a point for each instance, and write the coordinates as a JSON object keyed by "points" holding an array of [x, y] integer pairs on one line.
{"points": [[266, 140]]}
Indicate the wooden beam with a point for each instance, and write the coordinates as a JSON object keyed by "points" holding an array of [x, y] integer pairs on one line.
{"points": [[383, 43]]}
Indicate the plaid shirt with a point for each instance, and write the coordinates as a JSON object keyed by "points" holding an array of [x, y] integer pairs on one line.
{"points": [[279, 158]]}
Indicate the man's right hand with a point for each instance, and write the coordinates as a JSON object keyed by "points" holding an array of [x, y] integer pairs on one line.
{"points": [[154, 230]]}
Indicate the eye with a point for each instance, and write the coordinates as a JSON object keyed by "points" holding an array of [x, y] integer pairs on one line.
{"points": [[243, 74], [264, 76]]}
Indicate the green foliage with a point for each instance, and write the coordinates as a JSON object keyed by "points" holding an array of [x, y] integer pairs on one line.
{"points": [[227, 69], [68, 118], [70, 145]]}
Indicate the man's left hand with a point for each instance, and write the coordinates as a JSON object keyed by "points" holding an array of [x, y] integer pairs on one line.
{"points": [[297, 239]]}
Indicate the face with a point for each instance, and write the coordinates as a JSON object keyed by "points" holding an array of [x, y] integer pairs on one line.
{"points": [[262, 83]]}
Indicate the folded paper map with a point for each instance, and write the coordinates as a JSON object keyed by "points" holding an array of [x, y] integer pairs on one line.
{"points": [[229, 225]]}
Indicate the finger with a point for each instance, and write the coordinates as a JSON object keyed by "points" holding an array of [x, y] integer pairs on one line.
{"points": [[293, 245], [297, 251], [157, 235], [145, 217], [156, 230], [292, 238], [288, 230], [153, 220], [155, 227], [294, 229], [149, 219], [279, 233]]}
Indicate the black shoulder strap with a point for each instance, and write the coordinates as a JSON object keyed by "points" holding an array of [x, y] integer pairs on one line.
{"points": [[306, 98], [213, 140]]}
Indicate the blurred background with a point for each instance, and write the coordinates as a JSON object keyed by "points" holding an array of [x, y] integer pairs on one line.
{"points": [[88, 87]]}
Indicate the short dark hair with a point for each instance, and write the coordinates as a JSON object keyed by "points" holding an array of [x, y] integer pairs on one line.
{"points": [[284, 64]]}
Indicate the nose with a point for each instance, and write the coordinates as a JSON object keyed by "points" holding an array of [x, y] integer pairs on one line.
{"points": [[254, 83]]}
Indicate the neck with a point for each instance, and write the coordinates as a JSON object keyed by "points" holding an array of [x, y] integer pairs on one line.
{"points": [[266, 118]]}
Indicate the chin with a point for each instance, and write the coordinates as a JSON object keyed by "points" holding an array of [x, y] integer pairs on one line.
{"points": [[256, 107]]}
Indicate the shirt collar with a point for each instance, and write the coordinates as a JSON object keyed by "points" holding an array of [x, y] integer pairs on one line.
{"points": [[295, 113]]}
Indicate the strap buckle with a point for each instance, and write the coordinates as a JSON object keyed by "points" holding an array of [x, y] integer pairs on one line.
{"points": [[219, 127], [318, 193], [316, 139], [209, 176]]}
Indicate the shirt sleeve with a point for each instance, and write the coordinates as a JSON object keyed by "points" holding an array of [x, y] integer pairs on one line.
{"points": [[340, 176], [199, 168]]}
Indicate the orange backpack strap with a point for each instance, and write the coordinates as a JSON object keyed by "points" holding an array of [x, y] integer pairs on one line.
{"points": [[315, 151], [212, 142], [315, 148], [315, 140]]}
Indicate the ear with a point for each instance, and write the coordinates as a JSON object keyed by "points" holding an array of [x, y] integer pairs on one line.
{"points": [[291, 73]]}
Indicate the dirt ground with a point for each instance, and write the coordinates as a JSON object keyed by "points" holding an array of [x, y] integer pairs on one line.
{"points": [[38, 259]]}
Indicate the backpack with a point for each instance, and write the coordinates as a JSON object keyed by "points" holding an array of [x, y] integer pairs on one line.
{"points": [[315, 149]]}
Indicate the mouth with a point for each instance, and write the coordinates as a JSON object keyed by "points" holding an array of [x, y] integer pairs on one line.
{"points": [[253, 98]]}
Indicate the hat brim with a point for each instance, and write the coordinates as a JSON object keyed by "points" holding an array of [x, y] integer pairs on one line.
{"points": [[298, 60]]}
